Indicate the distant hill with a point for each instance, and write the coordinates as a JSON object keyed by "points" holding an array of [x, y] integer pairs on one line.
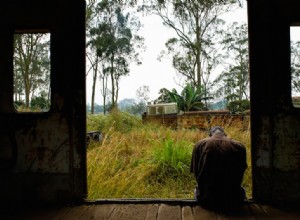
{"points": [[123, 105], [221, 105]]}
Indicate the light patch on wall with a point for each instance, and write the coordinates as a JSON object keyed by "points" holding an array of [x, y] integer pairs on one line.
{"points": [[31, 61], [295, 64]]}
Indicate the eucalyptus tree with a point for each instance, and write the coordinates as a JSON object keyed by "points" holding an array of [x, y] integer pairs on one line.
{"points": [[95, 63], [32, 65], [115, 40], [92, 58], [233, 83], [197, 25]]}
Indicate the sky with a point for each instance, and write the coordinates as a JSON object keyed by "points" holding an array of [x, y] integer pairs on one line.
{"points": [[153, 73]]}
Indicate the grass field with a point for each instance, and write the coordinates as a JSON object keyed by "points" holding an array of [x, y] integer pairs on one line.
{"points": [[137, 160]]}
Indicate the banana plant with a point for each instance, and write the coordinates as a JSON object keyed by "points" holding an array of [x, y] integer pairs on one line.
{"points": [[190, 99]]}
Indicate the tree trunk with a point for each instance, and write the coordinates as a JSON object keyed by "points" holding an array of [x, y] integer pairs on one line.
{"points": [[198, 53], [104, 86], [94, 85], [112, 82]]}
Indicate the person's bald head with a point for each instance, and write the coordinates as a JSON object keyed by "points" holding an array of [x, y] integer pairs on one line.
{"points": [[217, 130]]}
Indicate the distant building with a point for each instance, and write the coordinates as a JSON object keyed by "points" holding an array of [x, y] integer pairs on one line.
{"points": [[162, 108]]}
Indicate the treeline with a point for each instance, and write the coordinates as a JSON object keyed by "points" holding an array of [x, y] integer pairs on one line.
{"points": [[203, 42]]}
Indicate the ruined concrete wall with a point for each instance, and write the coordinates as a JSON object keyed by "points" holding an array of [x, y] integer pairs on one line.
{"points": [[201, 120], [166, 120], [206, 119]]}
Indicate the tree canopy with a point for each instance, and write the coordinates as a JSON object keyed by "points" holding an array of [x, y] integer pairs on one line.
{"points": [[197, 26], [115, 42]]}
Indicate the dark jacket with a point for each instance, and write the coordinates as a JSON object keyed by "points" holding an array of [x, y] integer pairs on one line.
{"points": [[218, 164]]}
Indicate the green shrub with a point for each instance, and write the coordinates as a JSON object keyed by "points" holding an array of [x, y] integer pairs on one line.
{"points": [[238, 106], [39, 103], [117, 121], [18, 104], [122, 121], [95, 122]]}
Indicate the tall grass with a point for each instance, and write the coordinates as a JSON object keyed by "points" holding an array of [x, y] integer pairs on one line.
{"points": [[138, 160], [172, 157]]}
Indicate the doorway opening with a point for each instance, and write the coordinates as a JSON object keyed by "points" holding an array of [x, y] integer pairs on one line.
{"points": [[143, 149]]}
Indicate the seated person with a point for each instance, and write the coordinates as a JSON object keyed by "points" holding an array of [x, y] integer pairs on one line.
{"points": [[218, 164]]}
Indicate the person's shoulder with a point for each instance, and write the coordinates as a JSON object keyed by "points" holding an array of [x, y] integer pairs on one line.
{"points": [[203, 141], [237, 143]]}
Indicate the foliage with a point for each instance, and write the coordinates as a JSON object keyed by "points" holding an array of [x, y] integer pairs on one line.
{"points": [[123, 121], [116, 121], [190, 98], [233, 84], [163, 96], [114, 41], [96, 122], [137, 108], [172, 158], [40, 103], [238, 106], [295, 66], [197, 27], [31, 65], [18, 104], [126, 163]]}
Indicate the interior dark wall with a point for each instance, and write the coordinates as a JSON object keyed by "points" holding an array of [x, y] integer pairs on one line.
{"points": [[275, 123], [42, 155]]}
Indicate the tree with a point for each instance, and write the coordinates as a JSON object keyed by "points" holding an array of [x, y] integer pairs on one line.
{"points": [[115, 41], [163, 96], [93, 21], [295, 67], [238, 106], [31, 65], [234, 83], [138, 108], [142, 93], [196, 25]]}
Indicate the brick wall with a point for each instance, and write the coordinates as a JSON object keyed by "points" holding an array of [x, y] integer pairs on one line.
{"points": [[169, 120], [200, 119]]}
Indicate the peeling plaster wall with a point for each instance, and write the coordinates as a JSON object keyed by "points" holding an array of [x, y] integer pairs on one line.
{"points": [[275, 122], [44, 147], [42, 155]]}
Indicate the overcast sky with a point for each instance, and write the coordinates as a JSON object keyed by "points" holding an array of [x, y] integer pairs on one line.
{"points": [[153, 73]]}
